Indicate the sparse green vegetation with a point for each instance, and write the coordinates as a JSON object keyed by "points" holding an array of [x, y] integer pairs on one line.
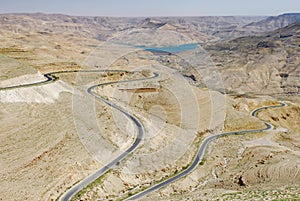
{"points": [[89, 187]]}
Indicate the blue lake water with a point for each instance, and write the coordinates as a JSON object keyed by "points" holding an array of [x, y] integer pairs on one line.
{"points": [[171, 49]]}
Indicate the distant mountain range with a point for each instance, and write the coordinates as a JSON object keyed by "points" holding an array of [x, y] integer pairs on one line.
{"points": [[204, 29], [276, 21], [257, 54]]}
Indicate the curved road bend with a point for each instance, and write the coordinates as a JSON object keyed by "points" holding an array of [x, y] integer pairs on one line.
{"points": [[199, 156], [51, 78], [79, 186]]}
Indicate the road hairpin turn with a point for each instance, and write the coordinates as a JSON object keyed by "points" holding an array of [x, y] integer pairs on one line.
{"points": [[50, 77]]}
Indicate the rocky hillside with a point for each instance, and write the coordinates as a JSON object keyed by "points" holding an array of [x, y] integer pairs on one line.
{"points": [[276, 22], [258, 25], [218, 27], [162, 32], [96, 27], [102, 28], [266, 64], [212, 28], [205, 28]]}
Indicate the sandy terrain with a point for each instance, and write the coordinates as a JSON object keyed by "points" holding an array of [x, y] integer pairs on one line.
{"points": [[54, 135], [254, 166]]}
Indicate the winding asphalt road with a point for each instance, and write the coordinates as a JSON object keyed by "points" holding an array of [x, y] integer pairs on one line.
{"points": [[198, 158], [75, 189], [50, 77]]}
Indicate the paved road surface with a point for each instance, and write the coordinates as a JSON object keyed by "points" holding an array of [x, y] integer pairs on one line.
{"points": [[50, 77], [75, 189], [198, 158], [200, 154]]}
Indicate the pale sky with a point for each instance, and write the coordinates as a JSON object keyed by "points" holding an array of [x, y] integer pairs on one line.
{"points": [[144, 8]]}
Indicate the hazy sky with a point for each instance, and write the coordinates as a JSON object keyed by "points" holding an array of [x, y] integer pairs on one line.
{"points": [[152, 7]]}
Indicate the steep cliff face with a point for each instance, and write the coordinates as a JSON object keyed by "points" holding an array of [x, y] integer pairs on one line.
{"points": [[266, 64]]}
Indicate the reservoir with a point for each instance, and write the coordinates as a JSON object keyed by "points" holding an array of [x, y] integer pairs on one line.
{"points": [[171, 49]]}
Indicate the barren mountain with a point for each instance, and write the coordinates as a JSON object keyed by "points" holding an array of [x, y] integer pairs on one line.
{"points": [[227, 27], [267, 64], [275, 22], [257, 27], [103, 27], [96, 27], [52, 138]]}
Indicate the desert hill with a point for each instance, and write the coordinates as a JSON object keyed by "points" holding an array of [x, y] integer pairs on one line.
{"points": [[275, 22], [103, 27], [268, 63], [203, 28], [45, 129]]}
